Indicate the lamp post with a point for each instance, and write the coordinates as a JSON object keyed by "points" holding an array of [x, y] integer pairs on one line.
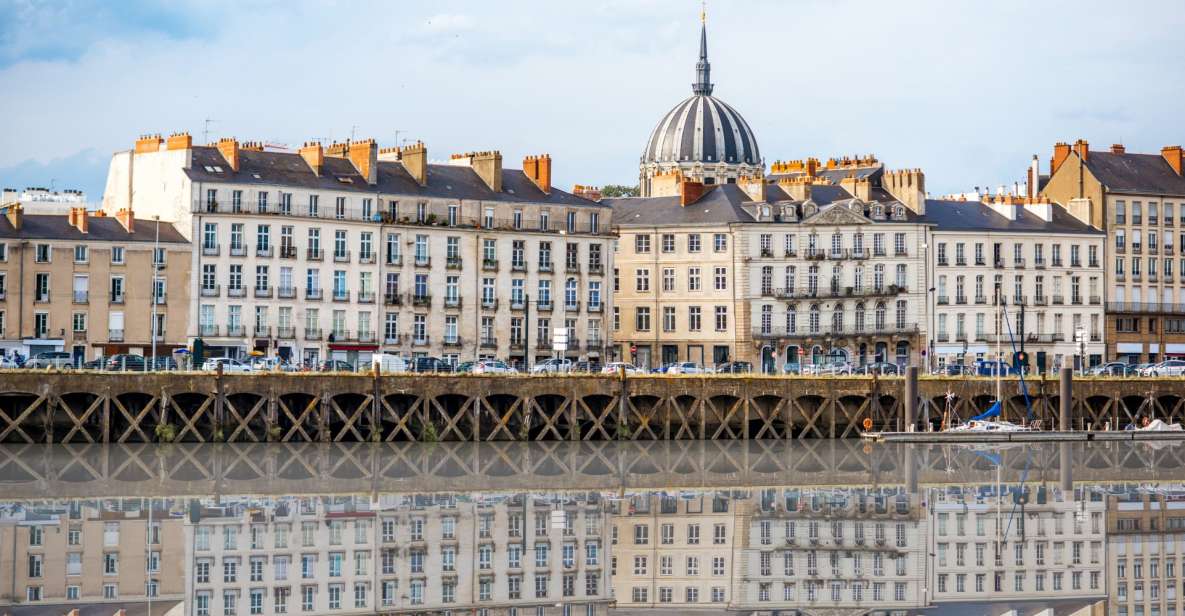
{"points": [[153, 295], [933, 360]]}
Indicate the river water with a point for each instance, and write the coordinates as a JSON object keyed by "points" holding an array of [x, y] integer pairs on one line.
{"points": [[531, 529]]}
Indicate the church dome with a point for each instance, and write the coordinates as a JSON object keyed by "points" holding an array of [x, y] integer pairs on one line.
{"points": [[702, 138], [704, 129]]}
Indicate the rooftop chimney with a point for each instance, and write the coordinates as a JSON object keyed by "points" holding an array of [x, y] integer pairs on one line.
{"points": [[229, 148], [1082, 148], [1033, 178], [690, 191], [1173, 156], [125, 218], [538, 170], [907, 186], [78, 219], [15, 214], [487, 165], [179, 141], [592, 193], [414, 158], [365, 157], [1117, 148], [314, 155], [1061, 151], [148, 143]]}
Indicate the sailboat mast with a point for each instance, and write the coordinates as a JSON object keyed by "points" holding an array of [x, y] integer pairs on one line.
{"points": [[1000, 316]]}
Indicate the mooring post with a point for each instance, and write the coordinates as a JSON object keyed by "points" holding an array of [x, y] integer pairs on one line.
{"points": [[911, 469], [621, 401], [911, 398], [374, 403], [219, 399], [323, 417], [107, 415], [1065, 399]]}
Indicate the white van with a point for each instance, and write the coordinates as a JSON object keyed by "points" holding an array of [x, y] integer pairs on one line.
{"points": [[389, 362]]}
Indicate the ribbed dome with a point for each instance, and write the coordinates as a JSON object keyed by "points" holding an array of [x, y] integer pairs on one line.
{"points": [[705, 129]]}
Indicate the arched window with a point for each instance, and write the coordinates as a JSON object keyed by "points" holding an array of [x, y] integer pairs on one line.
{"points": [[789, 282], [836, 274], [837, 319], [878, 277], [880, 316], [767, 280], [860, 317], [791, 319], [814, 319], [812, 280], [901, 314], [858, 278], [767, 319]]}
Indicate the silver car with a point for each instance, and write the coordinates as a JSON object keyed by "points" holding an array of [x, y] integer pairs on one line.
{"points": [[1169, 367], [50, 359]]}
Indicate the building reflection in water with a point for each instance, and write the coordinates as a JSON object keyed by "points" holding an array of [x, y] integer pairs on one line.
{"points": [[685, 528]]}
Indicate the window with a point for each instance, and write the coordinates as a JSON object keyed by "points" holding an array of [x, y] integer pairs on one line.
{"points": [[641, 243], [719, 242]]}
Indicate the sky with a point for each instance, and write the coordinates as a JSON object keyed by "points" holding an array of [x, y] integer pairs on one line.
{"points": [[967, 91]]}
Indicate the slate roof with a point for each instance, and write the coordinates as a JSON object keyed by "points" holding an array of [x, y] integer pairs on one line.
{"points": [[99, 229], [444, 181], [948, 215], [721, 204], [1135, 173]]}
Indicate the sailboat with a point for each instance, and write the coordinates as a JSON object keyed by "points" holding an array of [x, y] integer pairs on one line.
{"points": [[989, 420]]}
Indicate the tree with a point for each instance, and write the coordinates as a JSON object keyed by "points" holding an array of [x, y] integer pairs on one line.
{"points": [[618, 190]]}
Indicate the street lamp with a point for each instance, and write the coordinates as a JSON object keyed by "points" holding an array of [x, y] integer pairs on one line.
{"points": [[933, 360], [155, 277]]}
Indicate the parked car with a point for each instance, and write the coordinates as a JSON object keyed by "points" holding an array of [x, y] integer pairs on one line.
{"points": [[792, 367], [586, 367], [8, 363], [229, 364], [687, 367], [991, 367], [663, 369], [1169, 367], [834, 368], [390, 362], [431, 364], [1144, 369], [1112, 368], [953, 370], [735, 367], [336, 365], [126, 362], [50, 359], [882, 368], [555, 365], [163, 362], [617, 366], [492, 366]]}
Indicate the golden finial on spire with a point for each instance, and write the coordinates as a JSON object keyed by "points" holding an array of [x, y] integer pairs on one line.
{"points": [[703, 12]]}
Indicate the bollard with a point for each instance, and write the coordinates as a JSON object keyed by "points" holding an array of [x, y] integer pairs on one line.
{"points": [[1065, 467], [1065, 399], [911, 398]]}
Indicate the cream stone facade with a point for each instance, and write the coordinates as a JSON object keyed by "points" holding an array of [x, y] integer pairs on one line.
{"points": [[91, 553], [1040, 258], [344, 251], [495, 555], [84, 284], [1145, 538], [674, 552]]}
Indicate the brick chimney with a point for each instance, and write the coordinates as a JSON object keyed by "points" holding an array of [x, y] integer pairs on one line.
{"points": [[365, 157], [1173, 156], [798, 187], [414, 158], [179, 141], [1061, 151], [1117, 148], [125, 218], [859, 188], [487, 165], [907, 186], [314, 155], [690, 191], [148, 143], [15, 214], [538, 170], [1082, 148], [592, 193], [78, 219], [229, 148]]}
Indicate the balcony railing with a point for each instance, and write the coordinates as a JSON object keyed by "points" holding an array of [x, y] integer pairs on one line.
{"points": [[265, 251], [391, 338], [341, 295], [1018, 262], [393, 298], [367, 337], [210, 250], [489, 265], [238, 250], [544, 306], [452, 341], [545, 267], [116, 298], [366, 258], [960, 299], [208, 329], [263, 292], [287, 252], [235, 330], [596, 268], [423, 340], [263, 331], [1095, 300], [518, 266], [453, 301], [285, 292], [1040, 300], [314, 254], [423, 261], [518, 304], [595, 307], [341, 256], [366, 297], [572, 306], [943, 300], [81, 297], [418, 299], [489, 303], [1059, 300], [314, 294], [236, 291], [488, 343], [115, 335], [286, 332], [1146, 307], [312, 333], [804, 292], [1039, 263], [825, 331], [980, 299]]}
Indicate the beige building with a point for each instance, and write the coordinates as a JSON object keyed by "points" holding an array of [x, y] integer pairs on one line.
{"points": [[88, 553], [674, 551], [491, 555], [1139, 200], [1144, 553], [832, 551], [1048, 267], [1044, 545], [84, 284], [347, 250]]}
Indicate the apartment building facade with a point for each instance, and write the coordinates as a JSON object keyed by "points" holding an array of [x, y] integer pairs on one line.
{"points": [[1047, 267], [1144, 553], [832, 550], [1023, 543], [674, 552], [496, 556], [346, 250], [86, 553], [91, 285], [1139, 200]]}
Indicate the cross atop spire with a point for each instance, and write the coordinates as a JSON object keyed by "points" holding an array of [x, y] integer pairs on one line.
{"points": [[703, 69]]}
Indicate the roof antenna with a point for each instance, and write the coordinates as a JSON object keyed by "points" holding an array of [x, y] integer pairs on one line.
{"points": [[206, 131]]}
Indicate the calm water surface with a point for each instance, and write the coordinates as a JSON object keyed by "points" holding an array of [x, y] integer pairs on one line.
{"points": [[761, 528]]}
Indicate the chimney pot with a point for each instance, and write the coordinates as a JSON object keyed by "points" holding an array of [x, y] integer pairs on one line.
{"points": [[229, 148], [1117, 148], [1173, 155]]}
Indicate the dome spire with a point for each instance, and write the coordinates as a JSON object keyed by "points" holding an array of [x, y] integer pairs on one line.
{"points": [[703, 70]]}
